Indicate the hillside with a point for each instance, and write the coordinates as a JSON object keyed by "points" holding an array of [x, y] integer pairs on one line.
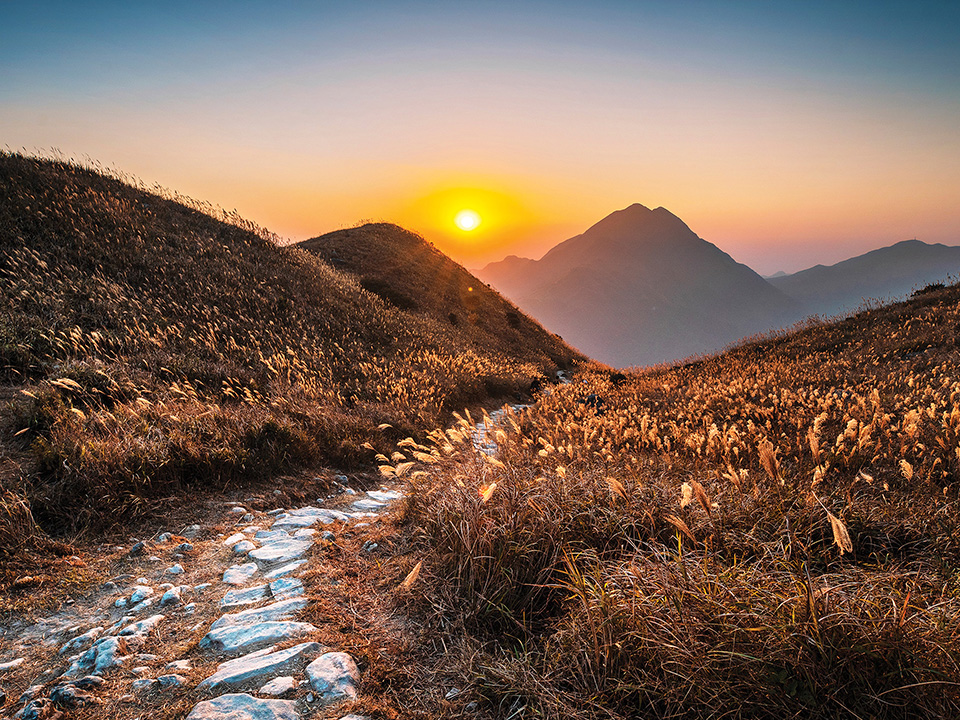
{"points": [[148, 350], [411, 274], [886, 273], [640, 288], [768, 533]]}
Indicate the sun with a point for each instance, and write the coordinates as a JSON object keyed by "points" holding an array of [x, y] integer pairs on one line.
{"points": [[467, 220]]}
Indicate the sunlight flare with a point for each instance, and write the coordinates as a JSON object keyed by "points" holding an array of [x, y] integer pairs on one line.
{"points": [[467, 220]]}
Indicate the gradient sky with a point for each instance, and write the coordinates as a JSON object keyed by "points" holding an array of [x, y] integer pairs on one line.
{"points": [[787, 133]]}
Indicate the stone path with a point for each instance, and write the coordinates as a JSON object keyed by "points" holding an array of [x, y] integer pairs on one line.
{"points": [[257, 593]]}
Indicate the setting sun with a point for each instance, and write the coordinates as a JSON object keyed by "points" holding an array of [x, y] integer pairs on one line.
{"points": [[467, 220]]}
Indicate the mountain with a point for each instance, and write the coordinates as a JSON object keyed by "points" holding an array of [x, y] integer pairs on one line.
{"points": [[880, 274], [150, 350], [640, 288], [410, 274]]}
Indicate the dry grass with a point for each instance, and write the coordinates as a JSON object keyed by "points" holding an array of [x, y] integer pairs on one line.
{"points": [[772, 532], [161, 347]]}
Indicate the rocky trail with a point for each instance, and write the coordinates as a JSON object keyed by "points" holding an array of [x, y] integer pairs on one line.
{"points": [[237, 584]]}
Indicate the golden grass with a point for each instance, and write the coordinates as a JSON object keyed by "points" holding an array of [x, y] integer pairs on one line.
{"points": [[164, 347], [769, 533]]}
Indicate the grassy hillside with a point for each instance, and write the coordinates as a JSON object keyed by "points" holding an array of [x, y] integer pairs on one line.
{"points": [[770, 533], [411, 274], [148, 350]]}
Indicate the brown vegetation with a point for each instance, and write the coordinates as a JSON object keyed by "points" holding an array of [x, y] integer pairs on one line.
{"points": [[772, 532], [158, 350]]}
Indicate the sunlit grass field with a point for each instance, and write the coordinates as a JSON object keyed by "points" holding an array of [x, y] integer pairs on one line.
{"points": [[769, 533], [152, 347]]}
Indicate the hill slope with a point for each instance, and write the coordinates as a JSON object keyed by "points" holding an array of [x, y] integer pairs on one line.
{"points": [[411, 274], [162, 349], [767, 533], [880, 274], [640, 287]]}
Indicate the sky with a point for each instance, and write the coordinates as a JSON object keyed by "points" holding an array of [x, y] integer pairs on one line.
{"points": [[787, 133]]}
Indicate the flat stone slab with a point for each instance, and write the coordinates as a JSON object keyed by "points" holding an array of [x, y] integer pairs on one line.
{"points": [[368, 504], [334, 677], [239, 639], [240, 574], [259, 666], [268, 535], [285, 588], [284, 570], [384, 495], [279, 686], [282, 610], [240, 706], [234, 539], [282, 550], [244, 596]]}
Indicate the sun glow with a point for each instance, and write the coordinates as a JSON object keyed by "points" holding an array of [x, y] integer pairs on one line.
{"points": [[467, 220]]}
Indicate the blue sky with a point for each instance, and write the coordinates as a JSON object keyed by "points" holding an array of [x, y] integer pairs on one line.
{"points": [[788, 133]]}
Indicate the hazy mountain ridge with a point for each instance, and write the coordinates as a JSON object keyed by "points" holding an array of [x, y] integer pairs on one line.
{"points": [[640, 287], [879, 274]]}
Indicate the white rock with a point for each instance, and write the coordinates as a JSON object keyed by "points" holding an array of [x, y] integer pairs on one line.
{"points": [[10, 665], [234, 539], [237, 706], [282, 551], [263, 535], [189, 608], [245, 596], [140, 592], [305, 532], [142, 581], [191, 531], [285, 588], [203, 586], [295, 521], [284, 570], [244, 546], [178, 665], [109, 653], [237, 510], [282, 610], [173, 596], [120, 603], [334, 676], [171, 681], [279, 686], [239, 639], [81, 642], [240, 574], [164, 586], [384, 496], [142, 627], [141, 606], [252, 667], [174, 570], [252, 529], [368, 505], [275, 511], [142, 685]]}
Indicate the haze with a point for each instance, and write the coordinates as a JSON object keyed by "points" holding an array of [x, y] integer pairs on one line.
{"points": [[788, 134]]}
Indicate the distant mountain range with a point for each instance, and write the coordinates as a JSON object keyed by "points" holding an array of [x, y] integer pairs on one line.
{"points": [[880, 274], [640, 288]]}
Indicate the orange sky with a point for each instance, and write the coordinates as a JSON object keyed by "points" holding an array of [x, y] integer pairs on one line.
{"points": [[786, 135]]}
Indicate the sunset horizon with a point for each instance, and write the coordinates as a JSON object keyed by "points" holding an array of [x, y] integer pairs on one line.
{"points": [[788, 136]]}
